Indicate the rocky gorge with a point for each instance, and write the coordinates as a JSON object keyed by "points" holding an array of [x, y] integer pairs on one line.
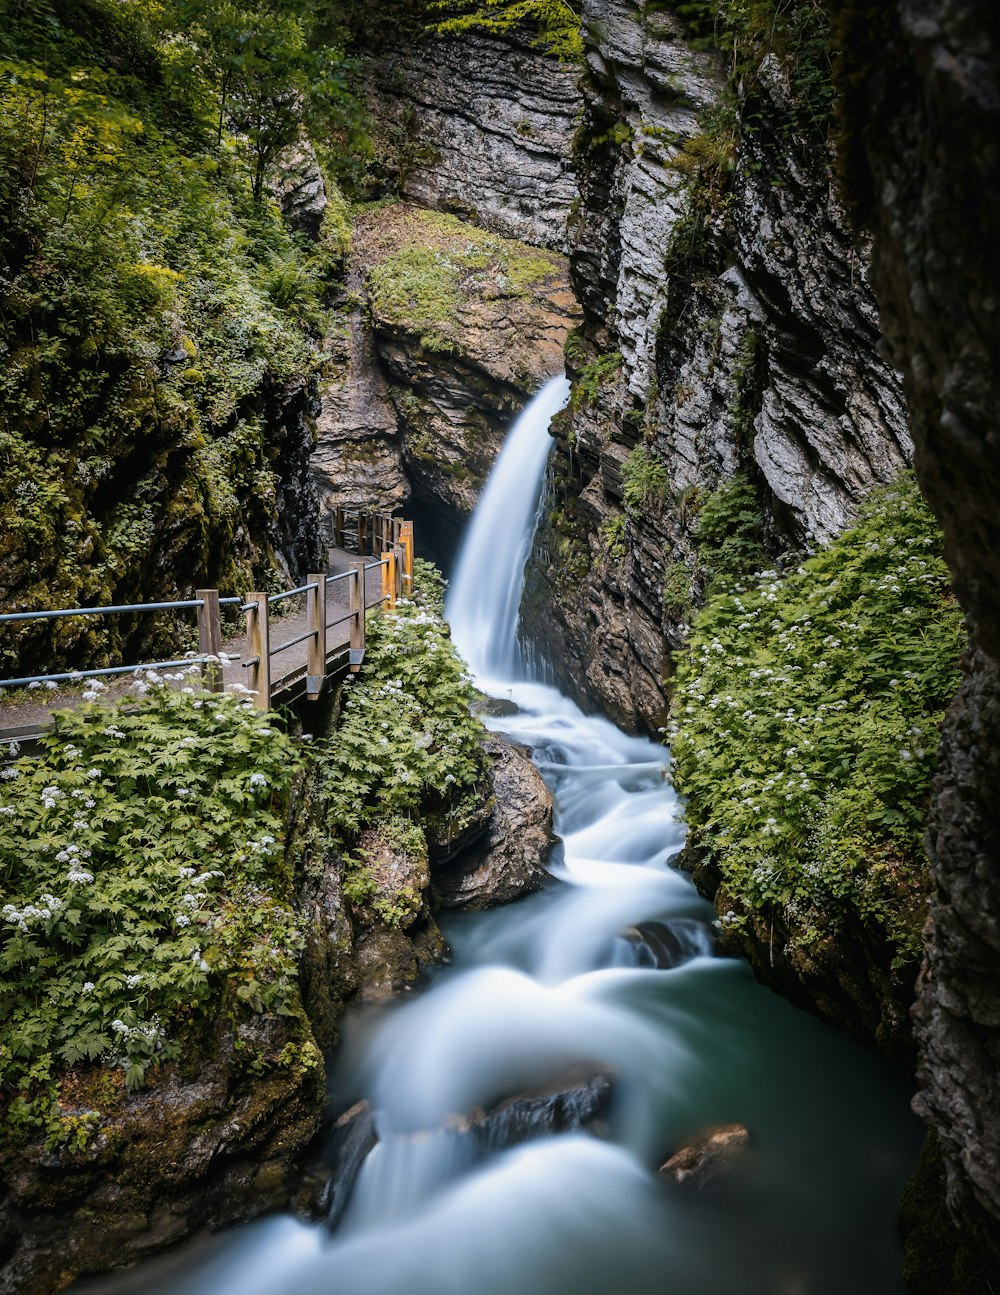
{"points": [[741, 246], [732, 327]]}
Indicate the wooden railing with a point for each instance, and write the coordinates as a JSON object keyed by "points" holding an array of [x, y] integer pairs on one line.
{"points": [[388, 541]]}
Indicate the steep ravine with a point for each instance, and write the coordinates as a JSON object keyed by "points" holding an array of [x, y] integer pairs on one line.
{"points": [[731, 326]]}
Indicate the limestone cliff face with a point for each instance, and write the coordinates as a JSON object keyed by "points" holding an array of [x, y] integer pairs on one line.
{"points": [[929, 174], [449, 330], [481, 128], [738, 301], [429, 369]]}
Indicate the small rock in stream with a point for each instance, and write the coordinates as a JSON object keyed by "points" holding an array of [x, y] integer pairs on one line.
{"points": [[709, 1156]]}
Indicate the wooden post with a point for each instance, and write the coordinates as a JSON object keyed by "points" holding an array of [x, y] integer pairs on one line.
{"points": [[338, 528], [362, 534], [397, 530], [378, 532], [407, 536], [397, 572], [259, 643], [389, 580], [316, 661], [359, 599], [210, 638]]}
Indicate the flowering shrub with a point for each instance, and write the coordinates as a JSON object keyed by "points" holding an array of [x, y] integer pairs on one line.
{"points": [[806, 721], [407, 747], [143, 885]]}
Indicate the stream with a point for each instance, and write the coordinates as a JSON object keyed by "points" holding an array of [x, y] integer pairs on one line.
{"points": [[609, 970]]}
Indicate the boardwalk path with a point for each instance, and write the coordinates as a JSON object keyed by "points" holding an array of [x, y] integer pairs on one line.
{"points": [[25, 713]]}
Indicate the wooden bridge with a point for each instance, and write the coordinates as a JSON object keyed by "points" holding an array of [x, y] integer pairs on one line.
{"points": [[280, 658]]}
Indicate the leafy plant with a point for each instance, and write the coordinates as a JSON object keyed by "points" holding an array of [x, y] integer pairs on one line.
{"points": [[144, 886], [729, 536], [613, 532], [644, 482], [806, 720], [407, 750], [556, 22], [592, 377]]}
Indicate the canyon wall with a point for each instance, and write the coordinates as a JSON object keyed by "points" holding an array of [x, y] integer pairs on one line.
{"points": [[922, 100], [729, 328]]}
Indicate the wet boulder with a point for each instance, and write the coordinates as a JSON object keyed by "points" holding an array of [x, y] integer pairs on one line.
{"points": [[508, 859]]}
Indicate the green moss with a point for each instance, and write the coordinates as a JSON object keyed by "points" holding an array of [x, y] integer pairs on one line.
{"points": [[935, 1260], [150, 310], [430, 265], [406, 756]]}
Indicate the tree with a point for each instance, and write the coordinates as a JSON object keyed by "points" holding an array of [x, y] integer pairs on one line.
{"points": [[270, 74]]}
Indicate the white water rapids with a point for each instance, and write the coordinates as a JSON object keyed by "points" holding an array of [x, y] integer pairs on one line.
{"points": [[566, 982]]}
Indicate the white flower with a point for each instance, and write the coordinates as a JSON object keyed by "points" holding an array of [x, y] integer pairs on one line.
{"points": [[133, 981], [8, 773], [258, 780], [87, 986], [119, 1027], [79, 877], [93, 773], [182, 919]]}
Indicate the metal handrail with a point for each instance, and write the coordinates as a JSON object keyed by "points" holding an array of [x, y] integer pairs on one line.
{"points": [[74, 675], [103, 611], [290, 593], [309, 634], [210, 601]]}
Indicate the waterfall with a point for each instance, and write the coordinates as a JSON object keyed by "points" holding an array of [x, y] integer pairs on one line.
{"points": [[608, 974], [483, 602]]}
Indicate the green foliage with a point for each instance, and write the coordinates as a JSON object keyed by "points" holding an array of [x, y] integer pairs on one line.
{"points": [[677, 592], [613, 532], [592, 377], [555, 23], [268, 70], [644, 482], [144, 887], [729, 536], [750, 33], [406, 753], [807, 713], [149, 308]]}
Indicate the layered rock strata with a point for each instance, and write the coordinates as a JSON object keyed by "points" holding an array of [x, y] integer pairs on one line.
{"points": [[729, 326], [482, 128]]}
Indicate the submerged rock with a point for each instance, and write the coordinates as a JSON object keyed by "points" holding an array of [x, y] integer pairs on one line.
{"points": [[508, 860], [709, 1156]]}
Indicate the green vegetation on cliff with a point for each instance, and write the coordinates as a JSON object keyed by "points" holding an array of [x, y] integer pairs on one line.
{"points": [[438, 276], [806, 717], [150, 883], [406, 758], [158, 318], [145, 889], [554, 24]]}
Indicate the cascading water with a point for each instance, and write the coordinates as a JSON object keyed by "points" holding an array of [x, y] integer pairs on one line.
{"points": [[609, 972], [486, 591]]}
